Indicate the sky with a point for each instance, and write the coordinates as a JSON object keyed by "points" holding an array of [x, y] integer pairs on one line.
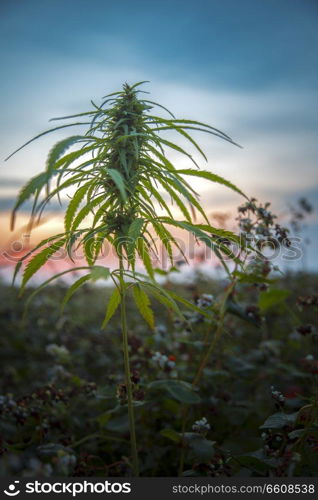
{"points": [[248, 67]]}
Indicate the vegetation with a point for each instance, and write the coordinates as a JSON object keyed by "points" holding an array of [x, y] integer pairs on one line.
{"points": [[80, 416], [63, 409]]}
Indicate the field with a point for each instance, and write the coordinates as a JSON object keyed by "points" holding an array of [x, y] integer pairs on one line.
{"points": [[251, 410]]}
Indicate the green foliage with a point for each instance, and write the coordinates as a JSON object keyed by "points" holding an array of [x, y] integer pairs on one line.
{"points": [[171, 434], [52, 409], [112, 305], [39, 260], [203, 449], [116, 172], [70, 292], [179, 390], [120, 161], [256, 462], [99, 273], [213, 178], [280, 420], [143, 304], [73, 206], [272, 297], [117, 169]]}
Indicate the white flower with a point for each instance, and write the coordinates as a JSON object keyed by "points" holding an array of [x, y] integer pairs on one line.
{"points": [[277, 395], [163, 361], [205, 300], [201, 425], [309, 357], [59, 352]]}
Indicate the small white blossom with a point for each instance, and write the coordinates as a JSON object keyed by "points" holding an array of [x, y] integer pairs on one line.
{"points": [[277, 395], [161, 329], [201, 425], [296, 457], [163, 361], [205, 300], [59, 352], [309, 357]]}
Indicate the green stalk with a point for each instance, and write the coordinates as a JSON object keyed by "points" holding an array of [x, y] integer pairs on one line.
{"points": [[201, 368], [131, 416]]}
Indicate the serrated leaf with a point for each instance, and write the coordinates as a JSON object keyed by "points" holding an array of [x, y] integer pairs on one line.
{"points": [[135, 228], [86, 210], [210, 240], [89, 248], [69, 158], [163, 235], [163, 298], [73, 206], [72, 289], [213, 178], [119, 181], [186, 135], [16, 271], [179, 185], [99, 273], [33, 186], [112, 305], [143, 303], [59, 148], [133, 234], [174, 146], [157, 195], [39, 260], [181, 206], [145, 257]]}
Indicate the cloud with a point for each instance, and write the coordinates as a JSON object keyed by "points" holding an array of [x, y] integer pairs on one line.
{"points": [[7, 203], [11, 182], [277, 128]]}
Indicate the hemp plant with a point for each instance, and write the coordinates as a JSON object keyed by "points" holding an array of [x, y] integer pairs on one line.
{"points": [[119, 169]]}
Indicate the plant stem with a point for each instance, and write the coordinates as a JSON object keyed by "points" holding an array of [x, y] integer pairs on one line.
{"points": [[217, 335], [131, 417], [202, 366]]}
